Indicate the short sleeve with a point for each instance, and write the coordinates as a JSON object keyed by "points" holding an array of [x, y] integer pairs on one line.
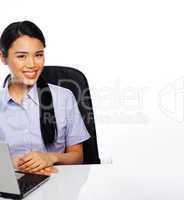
{"points": [[76, 131]]}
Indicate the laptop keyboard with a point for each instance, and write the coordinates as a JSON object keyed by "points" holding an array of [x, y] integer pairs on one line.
{"points": [[29, 181]]}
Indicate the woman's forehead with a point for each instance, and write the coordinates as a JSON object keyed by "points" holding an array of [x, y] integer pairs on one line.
{"points": [[27, 44]]}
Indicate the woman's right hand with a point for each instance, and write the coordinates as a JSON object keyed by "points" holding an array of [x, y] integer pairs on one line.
{"points": [[46, 171]]}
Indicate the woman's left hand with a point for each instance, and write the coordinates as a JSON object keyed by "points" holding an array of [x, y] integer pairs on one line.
{"points": [[35, 161]]}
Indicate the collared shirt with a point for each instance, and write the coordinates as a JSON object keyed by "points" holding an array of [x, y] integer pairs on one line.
{"points": [[20, 123]]}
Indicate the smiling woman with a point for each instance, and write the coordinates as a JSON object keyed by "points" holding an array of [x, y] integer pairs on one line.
{"points": [[25, 60], [40, 129]]}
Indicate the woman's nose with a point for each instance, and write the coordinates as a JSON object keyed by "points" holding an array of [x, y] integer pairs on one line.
{"points": [[30, 62]]}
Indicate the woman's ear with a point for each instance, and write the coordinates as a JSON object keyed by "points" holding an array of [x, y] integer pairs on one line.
{"points": [[3, 58]]}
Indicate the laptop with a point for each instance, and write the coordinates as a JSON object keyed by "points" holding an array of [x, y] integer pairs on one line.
{"points": [[16, 185]]}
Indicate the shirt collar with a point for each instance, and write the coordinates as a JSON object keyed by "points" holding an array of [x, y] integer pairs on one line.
{"points": [[5, 95], [32, 94]]}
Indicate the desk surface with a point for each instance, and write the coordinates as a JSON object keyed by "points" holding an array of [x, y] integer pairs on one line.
{"points": [[110, 182]]}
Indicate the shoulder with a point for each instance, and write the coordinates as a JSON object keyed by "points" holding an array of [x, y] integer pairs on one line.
{"points": [[1, 95], [55, 90], [62, 95]]}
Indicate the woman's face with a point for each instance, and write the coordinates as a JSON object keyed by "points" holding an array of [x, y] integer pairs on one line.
{"points": [[25, 60]]}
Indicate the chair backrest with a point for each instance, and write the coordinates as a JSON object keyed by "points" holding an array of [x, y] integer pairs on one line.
{"points": [[75, 81]]}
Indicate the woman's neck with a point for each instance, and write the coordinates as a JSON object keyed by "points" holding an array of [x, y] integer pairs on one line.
{"points": [[18, 91]]}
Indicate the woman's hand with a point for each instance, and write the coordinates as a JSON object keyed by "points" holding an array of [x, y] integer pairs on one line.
{"points": [[15, 160], [47, 171], [36, 161]]}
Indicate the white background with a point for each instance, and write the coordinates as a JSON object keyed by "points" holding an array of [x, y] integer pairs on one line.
{"points": [[132, 53]]}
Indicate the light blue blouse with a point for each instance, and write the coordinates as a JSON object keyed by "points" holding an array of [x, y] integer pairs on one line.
{"points": [[20, 123]]}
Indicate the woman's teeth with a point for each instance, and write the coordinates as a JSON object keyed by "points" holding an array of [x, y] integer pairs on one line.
{"points": [[31, 74]]}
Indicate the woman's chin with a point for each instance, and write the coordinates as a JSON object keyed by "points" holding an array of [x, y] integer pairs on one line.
{"points": [[29, 82]]}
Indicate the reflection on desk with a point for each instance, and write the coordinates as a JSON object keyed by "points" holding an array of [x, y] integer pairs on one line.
{"points": [[66, 184]]}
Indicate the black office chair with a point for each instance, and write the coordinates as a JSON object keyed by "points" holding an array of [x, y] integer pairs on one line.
{"points": [[75, 81]]}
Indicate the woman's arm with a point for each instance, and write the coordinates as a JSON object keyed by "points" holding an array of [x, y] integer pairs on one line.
{"points": [[35, 161], [73, 155]]}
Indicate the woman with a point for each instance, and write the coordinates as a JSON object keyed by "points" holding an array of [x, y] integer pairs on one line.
{"points": [[40, 122]]}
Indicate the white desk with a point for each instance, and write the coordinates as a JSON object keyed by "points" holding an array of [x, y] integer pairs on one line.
{"points": [[80, 182], [111, 182]]}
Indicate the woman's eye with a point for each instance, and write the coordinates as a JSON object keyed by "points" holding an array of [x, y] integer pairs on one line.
{"points": [[21, 56], [39, 55]]}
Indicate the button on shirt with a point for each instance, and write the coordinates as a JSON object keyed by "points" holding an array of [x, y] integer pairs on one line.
{"points": [[20, 123]]}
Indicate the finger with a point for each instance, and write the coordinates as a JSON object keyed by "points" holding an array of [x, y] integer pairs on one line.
{"points": [[27, 164], [32, 166], [51, 169], [23, 160], [45, 172], [41, 166], [21, 170], [42, 172], [26, 158], [48, 168]]}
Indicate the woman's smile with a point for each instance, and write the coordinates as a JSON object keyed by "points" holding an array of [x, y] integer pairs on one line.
{"points": [[30, 74]]}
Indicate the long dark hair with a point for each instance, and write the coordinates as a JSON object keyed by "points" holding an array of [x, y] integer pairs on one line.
{"points": [[10, 34]]}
